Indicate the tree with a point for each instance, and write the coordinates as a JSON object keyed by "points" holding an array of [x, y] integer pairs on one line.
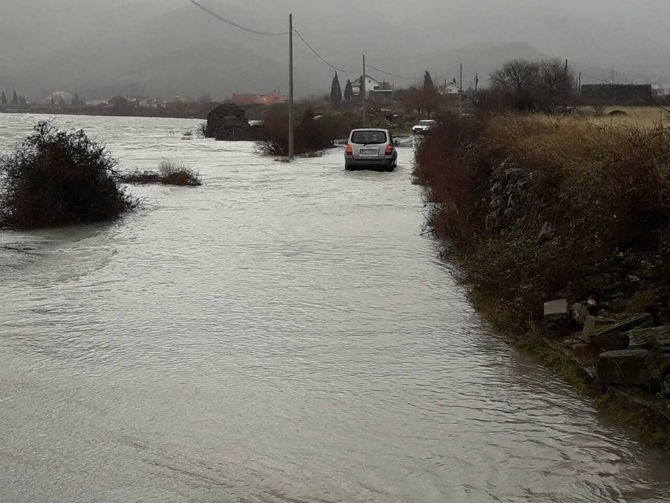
{"points": [[15, 98], [529, 85], [335, 92], [3, 98], [348, 91], [427, 81], [555, 85]]}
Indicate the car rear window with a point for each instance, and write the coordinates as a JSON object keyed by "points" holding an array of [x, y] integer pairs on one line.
{"points": [[368, 137]]}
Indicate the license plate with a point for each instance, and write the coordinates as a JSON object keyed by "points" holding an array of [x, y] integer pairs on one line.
{"points": [[369, 151]]}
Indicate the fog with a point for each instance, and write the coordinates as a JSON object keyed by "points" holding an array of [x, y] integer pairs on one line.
{"points": [[100, 48]]}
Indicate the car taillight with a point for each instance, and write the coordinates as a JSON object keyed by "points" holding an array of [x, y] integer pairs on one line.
{"points": [[349, 150], [389, 149]]}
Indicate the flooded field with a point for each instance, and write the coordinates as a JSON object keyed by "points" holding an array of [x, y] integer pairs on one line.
{"points": [[283, 333]]}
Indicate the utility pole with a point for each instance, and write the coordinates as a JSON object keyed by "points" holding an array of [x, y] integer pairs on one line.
{"points": [[290, 88], [460, 90], [365, 97], [579, 83]]}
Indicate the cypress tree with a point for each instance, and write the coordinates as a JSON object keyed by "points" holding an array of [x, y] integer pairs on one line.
{"points": [[427, 81], [3, 98], [335, 92], [15, 98], [348, 91]]}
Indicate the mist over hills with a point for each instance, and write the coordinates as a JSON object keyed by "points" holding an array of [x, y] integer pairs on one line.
{"points": [[168, 47]]}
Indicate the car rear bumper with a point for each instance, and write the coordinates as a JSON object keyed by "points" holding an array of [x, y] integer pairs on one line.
{"points": [[386, 162]]}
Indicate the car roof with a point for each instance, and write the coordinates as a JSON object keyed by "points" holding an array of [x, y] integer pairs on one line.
{"points": [[369, 129]]}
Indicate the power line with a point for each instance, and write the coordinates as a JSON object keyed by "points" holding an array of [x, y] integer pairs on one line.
{"points": [[391, 74], [236, 25], [596, 78], [319, 55]]}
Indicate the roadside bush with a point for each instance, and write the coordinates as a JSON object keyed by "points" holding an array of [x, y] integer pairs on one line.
{"points": [[447, 163], [57, 178], [312, 132], [532, 205]]}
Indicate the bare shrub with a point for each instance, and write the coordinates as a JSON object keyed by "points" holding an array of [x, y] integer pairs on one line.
{"points": [[312, 132], [174, 173], [169, 173], [57, 178], [447, 164]]}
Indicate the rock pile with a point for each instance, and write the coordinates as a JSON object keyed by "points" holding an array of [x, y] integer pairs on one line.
{"points": [[626, 351]]}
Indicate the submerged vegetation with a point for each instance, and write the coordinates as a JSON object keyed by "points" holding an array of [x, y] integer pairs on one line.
{"points": [[56, 178], [169, 173], [313, 132]]}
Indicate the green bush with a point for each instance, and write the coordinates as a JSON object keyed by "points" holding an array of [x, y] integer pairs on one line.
{"points": [[56, 178]]}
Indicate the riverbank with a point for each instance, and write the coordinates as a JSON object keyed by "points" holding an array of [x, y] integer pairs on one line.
{"points": [[561, 228]]}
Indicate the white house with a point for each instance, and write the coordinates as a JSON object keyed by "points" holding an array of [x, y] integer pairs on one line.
{"points": [[371, 85], [449, 88]]}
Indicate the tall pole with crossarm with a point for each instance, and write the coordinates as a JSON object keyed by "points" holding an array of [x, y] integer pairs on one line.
{"points": [[290, 88]]}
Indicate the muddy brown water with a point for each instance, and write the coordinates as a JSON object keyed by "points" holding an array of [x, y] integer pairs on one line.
{"points": [[282, 333]]}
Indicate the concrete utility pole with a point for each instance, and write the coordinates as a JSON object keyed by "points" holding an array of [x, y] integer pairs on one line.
{"points": [[579, 83], [460, 90], [365, 97], [290, 88]]}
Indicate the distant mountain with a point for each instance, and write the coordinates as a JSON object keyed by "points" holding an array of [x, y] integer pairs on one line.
{"points": [[167, 47]]}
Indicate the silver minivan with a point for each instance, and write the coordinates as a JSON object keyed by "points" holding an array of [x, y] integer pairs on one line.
{"points": [[370, 148]]}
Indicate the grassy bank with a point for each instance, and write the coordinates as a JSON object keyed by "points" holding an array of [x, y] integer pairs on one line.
{"points": [[536, 208]]}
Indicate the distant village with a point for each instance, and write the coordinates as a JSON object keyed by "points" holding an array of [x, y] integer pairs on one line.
{"points": [[378, 92]]}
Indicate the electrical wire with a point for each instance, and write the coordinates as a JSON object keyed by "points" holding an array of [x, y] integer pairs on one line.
{"points": [[236, 25], [319, 55], [390, 74], [596, 78]]}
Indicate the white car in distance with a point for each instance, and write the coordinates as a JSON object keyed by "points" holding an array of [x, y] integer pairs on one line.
{"points": [[424, 126]]}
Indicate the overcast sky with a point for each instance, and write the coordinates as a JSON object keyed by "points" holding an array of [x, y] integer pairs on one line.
{"points": [[105, 46]]}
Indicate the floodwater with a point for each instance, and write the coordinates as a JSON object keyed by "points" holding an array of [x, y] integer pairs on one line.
{"points": [[282, 333]]}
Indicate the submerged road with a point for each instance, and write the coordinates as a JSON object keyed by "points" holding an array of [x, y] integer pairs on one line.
{"points": [[282, 333]]}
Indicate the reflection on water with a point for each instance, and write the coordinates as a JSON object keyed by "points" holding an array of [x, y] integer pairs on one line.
{"points": [[282, 333]]}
